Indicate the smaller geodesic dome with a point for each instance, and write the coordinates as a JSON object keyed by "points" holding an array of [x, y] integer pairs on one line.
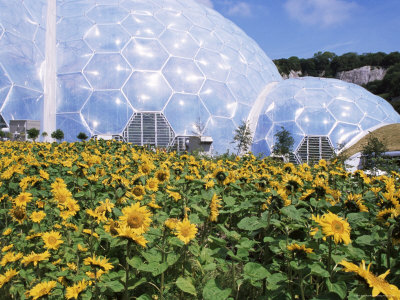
{"points": [[321, 114]]}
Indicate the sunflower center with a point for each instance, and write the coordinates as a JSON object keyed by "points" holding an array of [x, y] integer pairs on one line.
{"points": [[137, 191], [162, 176], [337, 227], [19, 214], [52, 240], [221, 176], [134, 221], [185, 231]]}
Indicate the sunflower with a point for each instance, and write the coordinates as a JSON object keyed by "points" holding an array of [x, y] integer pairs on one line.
{"points": [[171, 223], [162, 175], [138, 191], [10, 257], [333, 225], [98, 262], [42, 289], [18, 214], [146, 167], [52, 240], [299, 249], [6, 248], [378, 283], [209, 184], [8, 275], [90, 232], [292, 182], [81, 248], [136, 217], [221, 175], [35, 258], [354, 203], [44, 174], [22, 199], [185, 231], [37, 216], [214, 206], [7, 231], [152, 184], [174, 195], [129, 233], [73, 292]]}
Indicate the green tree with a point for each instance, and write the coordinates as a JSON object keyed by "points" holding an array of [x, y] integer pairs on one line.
{"points": [[283, 142], [58, 135], [33, 133], [243, 138], [372, 153], [82, 136]]}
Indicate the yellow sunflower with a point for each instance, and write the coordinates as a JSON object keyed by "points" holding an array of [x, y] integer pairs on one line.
{"points": [[185, 231], [18, 214], [152, 184], [73, 292], [136, 217], [52, 240], [299, 248], [10, 257], [35, 258], [333, 225], [214, 206], [7, 276], [129, 233], [37, 216], [162, 175], [98, 262], [171, 223], [7, 231], [138, 191], [22, 199], [6, 248], [42, 289]]}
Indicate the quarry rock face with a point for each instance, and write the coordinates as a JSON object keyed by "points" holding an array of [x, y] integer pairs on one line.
{"points": [[362, 75], [292, 74]]}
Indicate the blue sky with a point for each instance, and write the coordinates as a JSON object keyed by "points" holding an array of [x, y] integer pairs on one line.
{"points": [[285, 28]]}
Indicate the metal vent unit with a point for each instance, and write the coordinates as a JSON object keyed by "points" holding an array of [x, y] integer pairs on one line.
{"points": [[314, 148], [149, 129]]}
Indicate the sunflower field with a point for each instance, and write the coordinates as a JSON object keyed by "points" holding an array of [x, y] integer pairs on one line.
{"points": [[106, 220]]}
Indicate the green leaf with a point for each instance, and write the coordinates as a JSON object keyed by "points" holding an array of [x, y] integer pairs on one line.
{"points": [[365, 240], [255, 271], [135, 262], [154, 268], [229, 201], [251, 223], [337, 287], [291, 212], [186, 285], [172, 258], [151, 255], [316, 269], [133, 285], [115, 286], [212, 292]]}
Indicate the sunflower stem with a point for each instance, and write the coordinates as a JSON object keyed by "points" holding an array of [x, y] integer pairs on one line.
{"points": [[329, 255], [126, 292]]}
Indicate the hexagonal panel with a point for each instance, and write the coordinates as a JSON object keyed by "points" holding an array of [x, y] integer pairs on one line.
{"points": [[286, 110], [40, 40], [72, 92], [198, 18], [75, 8], [315, 121], [147, 91], [72, 56], [72, 125], [189, 106], [241, 88], [206, 38], [313, 97], [144, 7], [367, 123], [255, 79], [145, 54], [222, 131], [107, 71], [173, 19], [264, 124], [343, 133], [18, 21], [234, 59], [1, 30], [183, 75], [107, 38], [145, 26], [74, 28], [341, 91], [218, 99], [107, 112], [5, 85], [22, 60], [23, 104], [290, 126], [179, 43], [229, 39], [212, 65], [241, 114], [107, 14], [345, 111], [260, 147]]}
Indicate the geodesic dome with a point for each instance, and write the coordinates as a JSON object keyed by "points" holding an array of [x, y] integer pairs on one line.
{"points": [[154, 66], [321, 114]]}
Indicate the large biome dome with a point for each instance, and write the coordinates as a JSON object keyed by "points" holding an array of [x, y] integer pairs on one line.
{"points": [[126, 66], [321, 114]]}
